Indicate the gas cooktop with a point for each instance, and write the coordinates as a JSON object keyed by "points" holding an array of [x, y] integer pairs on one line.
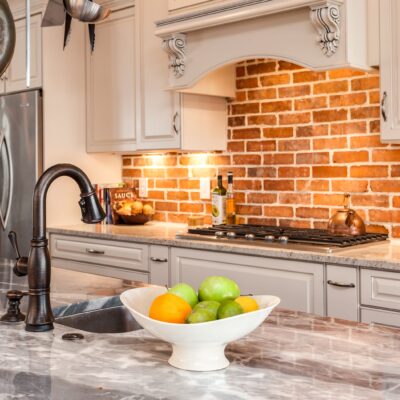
{"points": [[273, 236]]}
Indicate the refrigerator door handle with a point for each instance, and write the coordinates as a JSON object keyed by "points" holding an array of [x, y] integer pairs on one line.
{"points": [[4, 216]]}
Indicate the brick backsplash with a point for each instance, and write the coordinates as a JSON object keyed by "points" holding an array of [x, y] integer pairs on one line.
{"points": [[297, 140]]}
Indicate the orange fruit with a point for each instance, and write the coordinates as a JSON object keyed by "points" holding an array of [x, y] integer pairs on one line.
{"points": [[248, 303], [169, 307]]}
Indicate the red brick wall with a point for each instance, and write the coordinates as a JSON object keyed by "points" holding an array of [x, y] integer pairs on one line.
{"points": [[297, 141]]}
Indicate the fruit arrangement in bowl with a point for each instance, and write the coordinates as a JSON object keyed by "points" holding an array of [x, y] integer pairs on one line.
{"points": [[134, 212], [200, 324]]}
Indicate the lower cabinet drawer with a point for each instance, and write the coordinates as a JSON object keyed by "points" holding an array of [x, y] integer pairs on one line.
{"points": [[102, 270], [100, 252], [342, 292], [380, 289], [381, 317], [159, 265]]}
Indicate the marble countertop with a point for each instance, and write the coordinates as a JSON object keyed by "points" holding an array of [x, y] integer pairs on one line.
{"points": [[380, 255], [291, 356]]}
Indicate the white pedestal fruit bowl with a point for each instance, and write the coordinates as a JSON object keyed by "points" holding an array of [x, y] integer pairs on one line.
{"points": [[196, 347]]}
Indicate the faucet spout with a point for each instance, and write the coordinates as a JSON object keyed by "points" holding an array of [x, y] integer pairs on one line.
{"points": [[40, 317]]}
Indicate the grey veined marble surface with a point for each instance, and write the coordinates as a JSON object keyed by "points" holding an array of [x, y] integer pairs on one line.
{"points": [[291, 356]]}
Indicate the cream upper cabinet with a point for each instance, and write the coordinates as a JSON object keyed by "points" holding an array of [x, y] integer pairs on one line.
{"points": [[390, 70], [158, 122], [320, 35], [110, 92], [168, 119], [174, 5], [15, 76]]}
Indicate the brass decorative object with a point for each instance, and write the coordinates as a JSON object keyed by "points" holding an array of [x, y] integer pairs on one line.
{"points": [[346, 221]]}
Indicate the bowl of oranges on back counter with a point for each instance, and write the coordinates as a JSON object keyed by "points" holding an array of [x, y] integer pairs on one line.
{"points": [[198, 324], [134, 212]]}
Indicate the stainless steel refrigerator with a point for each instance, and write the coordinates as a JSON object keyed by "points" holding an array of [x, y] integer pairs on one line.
{"points": [[21, 164]]}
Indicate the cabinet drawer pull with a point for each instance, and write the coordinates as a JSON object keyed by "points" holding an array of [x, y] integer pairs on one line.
{"points": [[383, 106], [159, 260], [174, 126], [344, 285], [93, 251]]}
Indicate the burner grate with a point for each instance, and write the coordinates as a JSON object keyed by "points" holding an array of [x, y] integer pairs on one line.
{"points": [[295, 235]]}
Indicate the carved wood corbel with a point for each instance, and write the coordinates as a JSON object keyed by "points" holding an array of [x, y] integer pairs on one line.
{"points": [[326, 19], [175, 46]]}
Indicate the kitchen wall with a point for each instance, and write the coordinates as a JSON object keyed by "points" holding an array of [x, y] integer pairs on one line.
{"points": [[297, 140], [64, 123]]}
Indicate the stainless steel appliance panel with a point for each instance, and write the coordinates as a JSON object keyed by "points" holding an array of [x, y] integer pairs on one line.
{"points": [[20, 166]]}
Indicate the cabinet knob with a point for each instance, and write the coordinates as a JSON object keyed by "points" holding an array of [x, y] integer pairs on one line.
{"points": [[383, 106], [343, 285]]}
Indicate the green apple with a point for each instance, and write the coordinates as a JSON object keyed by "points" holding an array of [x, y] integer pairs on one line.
{"points": [[201, 315], [209, 305], [218, 288], [186, 292], [229, 308]]}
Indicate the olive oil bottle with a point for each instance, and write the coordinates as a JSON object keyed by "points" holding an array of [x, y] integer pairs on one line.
{"points": [[230, 202], [219, 203]]}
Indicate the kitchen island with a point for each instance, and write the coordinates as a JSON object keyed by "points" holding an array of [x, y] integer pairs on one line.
{"points": [[291, 356]]}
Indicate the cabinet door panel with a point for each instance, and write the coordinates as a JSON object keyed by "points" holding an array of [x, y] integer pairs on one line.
{"points": [[381, 317], [16, 73], [110, 71], [298, 284], [159, 106], [342, 301], [390, 69], [159, 265], [380, 289]]}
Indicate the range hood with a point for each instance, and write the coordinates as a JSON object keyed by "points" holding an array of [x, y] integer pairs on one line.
{"points": [[318, 34]]}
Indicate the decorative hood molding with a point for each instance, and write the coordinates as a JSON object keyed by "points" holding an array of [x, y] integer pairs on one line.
{"points": [[320, 32]]}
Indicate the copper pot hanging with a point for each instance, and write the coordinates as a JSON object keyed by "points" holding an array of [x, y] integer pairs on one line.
{"points": [[346, 221]]}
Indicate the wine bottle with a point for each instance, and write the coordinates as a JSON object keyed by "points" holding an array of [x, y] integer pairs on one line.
{"points": [[219, 203], [230, 202]]}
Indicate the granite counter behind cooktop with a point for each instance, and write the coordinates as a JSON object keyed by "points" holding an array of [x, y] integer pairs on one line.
{"points": [[379, 255]]}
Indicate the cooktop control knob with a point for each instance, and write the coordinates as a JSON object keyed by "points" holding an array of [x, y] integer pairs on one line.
{"points": [[231, 235], [270, 238], [283, 239], [249, 236], [219, 234]]}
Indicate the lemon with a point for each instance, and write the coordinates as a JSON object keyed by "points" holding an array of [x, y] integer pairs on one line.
{"points": [[248, 303]]}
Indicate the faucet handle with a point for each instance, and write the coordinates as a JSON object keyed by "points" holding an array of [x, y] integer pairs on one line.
{"points": [[12, 236], [21, 264]]}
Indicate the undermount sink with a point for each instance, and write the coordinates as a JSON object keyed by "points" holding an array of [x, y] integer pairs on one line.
{"points": [[106, 320]]}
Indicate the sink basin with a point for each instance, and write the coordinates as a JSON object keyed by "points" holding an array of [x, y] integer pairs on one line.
{"points": [[106, 320]]}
